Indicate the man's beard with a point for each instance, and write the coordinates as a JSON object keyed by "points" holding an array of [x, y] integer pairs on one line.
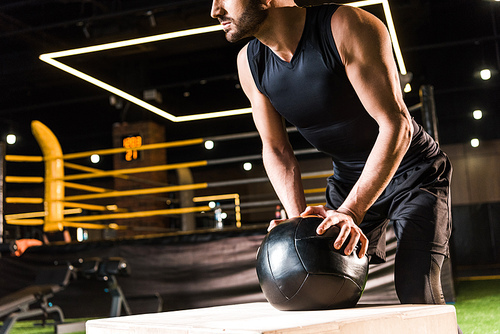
{"points": [[248, 23]]}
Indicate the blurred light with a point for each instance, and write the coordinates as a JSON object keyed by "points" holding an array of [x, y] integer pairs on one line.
{"points": [[485, 74], [151, 17], [95, 158], [112, 207], [211, 205], [407, 88], [223, 215], [11, 139], [81, 234], [477, 114], [209, 144], [474, 142], [247, 166]]}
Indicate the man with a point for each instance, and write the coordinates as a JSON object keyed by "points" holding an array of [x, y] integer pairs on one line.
{"points": [[329, 70]]}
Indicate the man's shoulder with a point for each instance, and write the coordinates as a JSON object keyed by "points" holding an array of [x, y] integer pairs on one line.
{"points": [[252, 49], [354, 18]]}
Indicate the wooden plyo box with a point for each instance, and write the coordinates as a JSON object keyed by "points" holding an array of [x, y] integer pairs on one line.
{"points": [[262, 318]]}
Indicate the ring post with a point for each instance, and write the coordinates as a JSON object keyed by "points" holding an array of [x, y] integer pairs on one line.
{"points": [[2, 188], [54, 174]]}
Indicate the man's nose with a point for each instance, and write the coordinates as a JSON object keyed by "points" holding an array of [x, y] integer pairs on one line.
{"points": [[216, 9]]}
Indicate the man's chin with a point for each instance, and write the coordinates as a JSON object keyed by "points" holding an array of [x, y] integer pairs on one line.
{"points": [[233, 38]]}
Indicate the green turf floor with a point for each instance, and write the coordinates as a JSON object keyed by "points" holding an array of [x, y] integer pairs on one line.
{"points": [[35, 327], [477, 305]]}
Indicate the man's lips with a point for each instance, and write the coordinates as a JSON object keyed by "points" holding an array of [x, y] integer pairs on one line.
{"points": [[225, 24]]}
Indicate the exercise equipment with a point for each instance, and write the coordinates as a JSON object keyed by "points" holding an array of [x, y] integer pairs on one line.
{"points": [[101, 269], [106, 269], [32, 301], [301, 270]]}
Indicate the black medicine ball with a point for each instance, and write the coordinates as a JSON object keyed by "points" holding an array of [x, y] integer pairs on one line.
{"points": [[301, 270]]}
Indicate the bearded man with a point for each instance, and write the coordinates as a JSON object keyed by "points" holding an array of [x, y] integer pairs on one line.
{"points": [[329, 70]]}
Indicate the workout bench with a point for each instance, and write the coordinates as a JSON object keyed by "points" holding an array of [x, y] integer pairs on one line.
{"points": [[32, 301], [106, 269]]}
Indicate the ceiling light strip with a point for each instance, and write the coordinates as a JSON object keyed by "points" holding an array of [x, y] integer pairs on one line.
{"points": [[135, 41], [214, 114], [365, 3], [49, 58], [394, 37], [108, 87]]}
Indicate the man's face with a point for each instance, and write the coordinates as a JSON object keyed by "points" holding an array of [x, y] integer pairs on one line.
{"points": [[239, 18]]}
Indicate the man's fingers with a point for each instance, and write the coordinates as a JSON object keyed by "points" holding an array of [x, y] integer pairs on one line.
{"points": [[355, 236], [347, 228], [364, 246], [314, 210], [308, 211], [342, 237], [274, 223], [326, 224]]}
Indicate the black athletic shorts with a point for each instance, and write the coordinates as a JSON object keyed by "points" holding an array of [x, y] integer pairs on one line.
{"points": [[416, 201]]}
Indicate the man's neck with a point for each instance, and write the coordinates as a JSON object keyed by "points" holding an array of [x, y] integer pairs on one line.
{"points": [[282, 30]]}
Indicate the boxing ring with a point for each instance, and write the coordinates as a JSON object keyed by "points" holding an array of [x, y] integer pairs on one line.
{"points": [[66, 211]]}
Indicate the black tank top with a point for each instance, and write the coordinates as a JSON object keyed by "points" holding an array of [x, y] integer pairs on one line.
{"points": [[313, 93]]}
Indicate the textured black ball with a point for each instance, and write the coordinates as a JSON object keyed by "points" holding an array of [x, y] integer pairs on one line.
{"points": [[301, 270]]}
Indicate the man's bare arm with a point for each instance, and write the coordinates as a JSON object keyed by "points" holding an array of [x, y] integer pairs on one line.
{"points": [[366, 52], [279, 160], [365, 48]]}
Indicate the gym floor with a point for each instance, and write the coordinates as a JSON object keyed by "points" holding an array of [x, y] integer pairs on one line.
{"points": [[477, 305], [478, 299]]}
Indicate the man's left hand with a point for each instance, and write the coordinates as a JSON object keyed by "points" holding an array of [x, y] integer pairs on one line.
{"points": [[347, 227]]}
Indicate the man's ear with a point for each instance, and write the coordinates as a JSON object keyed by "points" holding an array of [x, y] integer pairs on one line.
{"points": [[266, 4]]}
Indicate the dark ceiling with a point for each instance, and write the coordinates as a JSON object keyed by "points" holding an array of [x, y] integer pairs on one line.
{"points": [[444, 42]]}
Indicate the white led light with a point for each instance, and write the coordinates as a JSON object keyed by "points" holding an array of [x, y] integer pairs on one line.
{"points": [[212, 205], [79, 234], [477, 114], [11, 139], [474, 142], [485, 74], [247, 166], [407, 88], [95, 158], [209, 144]]}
